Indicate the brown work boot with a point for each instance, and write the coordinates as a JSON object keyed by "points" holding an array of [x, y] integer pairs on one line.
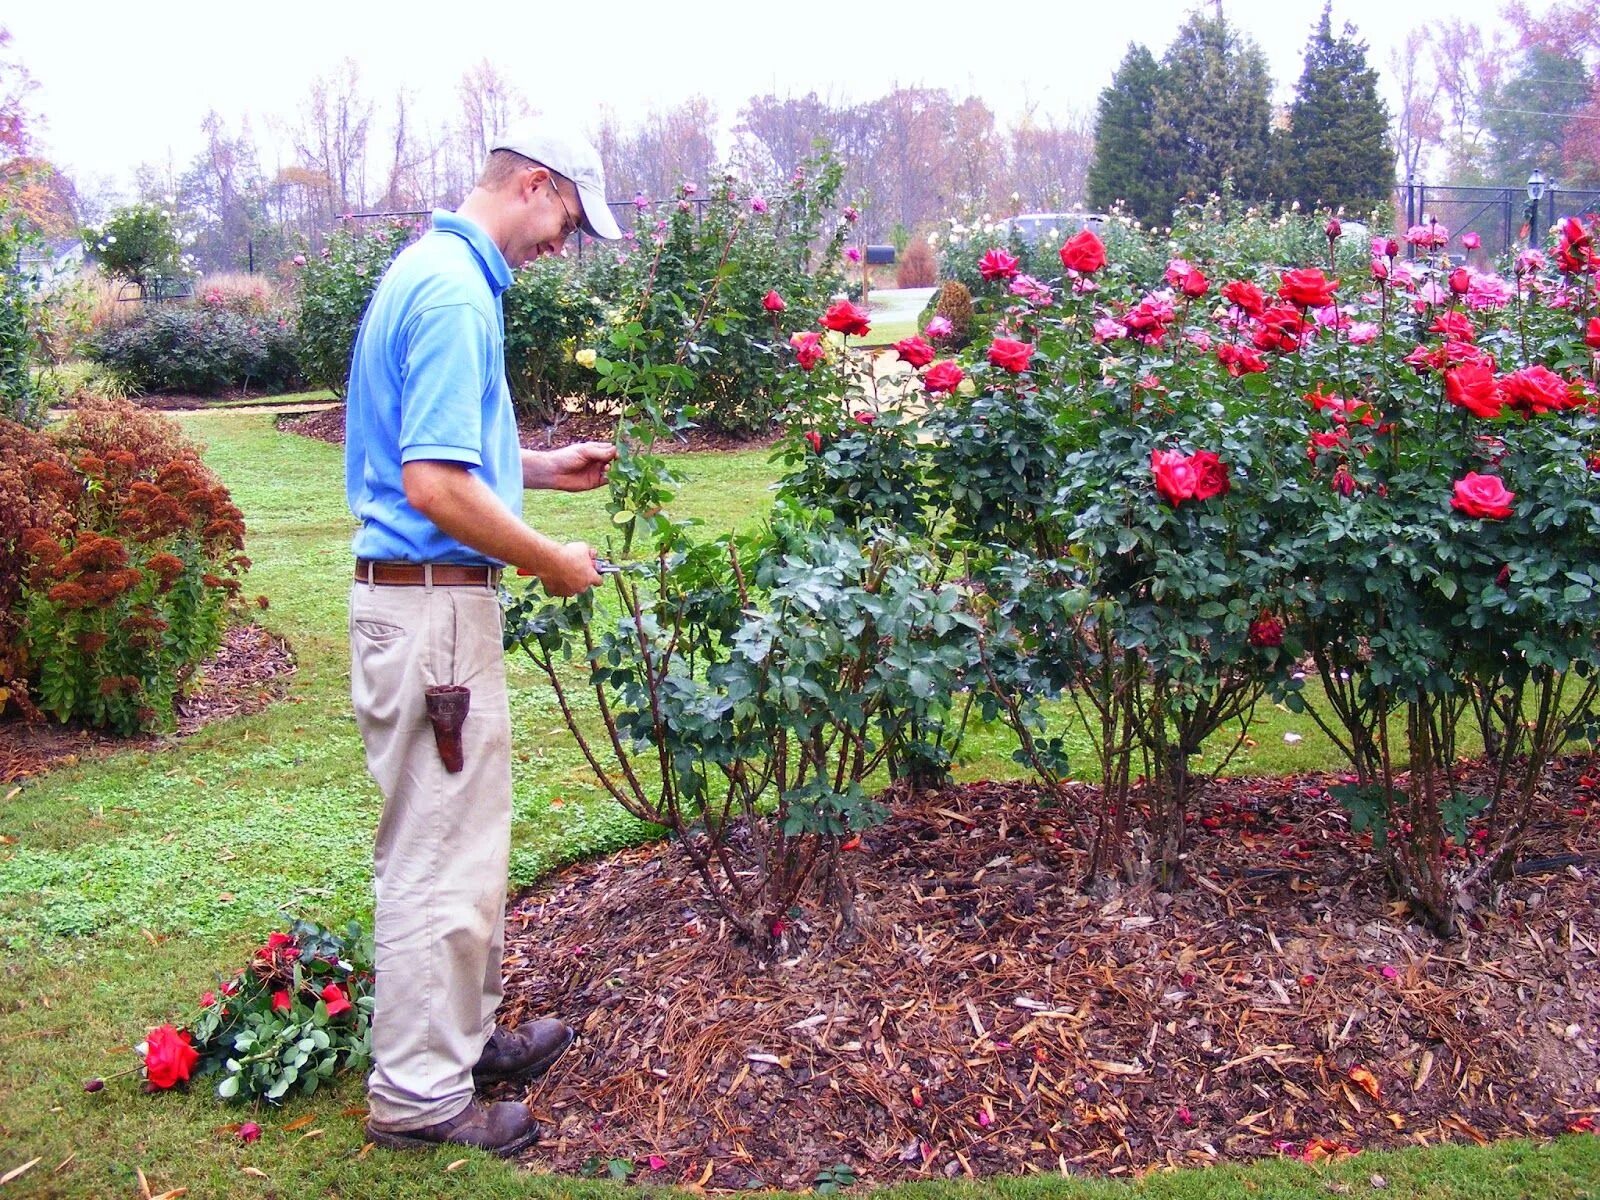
{"points": [[525, 1052], [501, 1128]]}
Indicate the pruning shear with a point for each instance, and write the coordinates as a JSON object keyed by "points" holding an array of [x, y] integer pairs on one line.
{"points": [[602, 566]]}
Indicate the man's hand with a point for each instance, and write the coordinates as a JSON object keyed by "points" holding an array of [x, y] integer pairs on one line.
{"points": [[572, 572], [577, 468]]}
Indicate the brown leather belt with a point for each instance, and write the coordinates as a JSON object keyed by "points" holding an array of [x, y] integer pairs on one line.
{"points": [[392, 574]]}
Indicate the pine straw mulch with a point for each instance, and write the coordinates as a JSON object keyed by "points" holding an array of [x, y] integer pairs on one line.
{"points": [[990, 1017], [328, 426], [249, 671]]}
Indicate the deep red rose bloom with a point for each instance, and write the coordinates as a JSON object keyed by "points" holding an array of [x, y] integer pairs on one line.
{"points": [[1083, 252], [1482, 496], [169, 1059], [1266, 631], [1308, 287], [1573, 232], [1240, 360], [773, 302], [943, 377], [1456, 326], [1503, 576], [1010, 355], [1244, 296], [1536, 390], [914, 351], [1280, 329], [1472, 386], [1576, 258], [997, 264], [807, 348], [1343, 482], [207, 999], [1460, 282], [1211, 475], [1324, 443], [1194, 284], [333, 996], [1333, 229], [848, 319], [814, 440], [1175, 475], [280, 1000], [1591, 336]]}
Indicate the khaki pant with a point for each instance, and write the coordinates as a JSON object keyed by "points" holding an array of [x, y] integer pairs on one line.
{"points": [[443, 843]]}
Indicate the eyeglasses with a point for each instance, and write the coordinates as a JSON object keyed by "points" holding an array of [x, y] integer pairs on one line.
{"points": [[569, 223]]}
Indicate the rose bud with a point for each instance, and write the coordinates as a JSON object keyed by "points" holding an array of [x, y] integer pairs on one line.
{"points": [[1333, 229], [249, 1132], [93, 1085]]}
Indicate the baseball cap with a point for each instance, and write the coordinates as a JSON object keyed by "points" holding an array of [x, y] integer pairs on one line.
{"points": [[568, 153]]}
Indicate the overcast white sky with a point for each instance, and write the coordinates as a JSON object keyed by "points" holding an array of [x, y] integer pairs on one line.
{"points": [[124, 83]]}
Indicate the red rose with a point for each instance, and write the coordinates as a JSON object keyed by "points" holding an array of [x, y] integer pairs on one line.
{"points": [[280, 1000], [1280, 329], [997, 264], [1380, 270], [169, 1059], [1240, 360], [914, 351], [1194, 284], [1266, 631], [814, 440], [333, 996], [1010, 355], [1175, 475], [1591, 337], [1503, 577], [943, 377], [1536, 390], [1482, 496], [1083, 252], [279, 945], [1244, 296], [1324, 443], [1573, 232], [1211, 475], [1472, 386], [1455, 326], [1460, 282], [1343, 482], [773, 302], [807, 348], [207, 999], [1308, 287], [848, 319], [1333, 229]]}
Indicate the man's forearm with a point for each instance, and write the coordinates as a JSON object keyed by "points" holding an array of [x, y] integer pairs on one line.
{"points": [[465, 508]]}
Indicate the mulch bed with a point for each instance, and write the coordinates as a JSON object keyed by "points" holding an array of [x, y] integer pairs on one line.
{"points": [[988, 1017], [328, 426], [249, 671]]}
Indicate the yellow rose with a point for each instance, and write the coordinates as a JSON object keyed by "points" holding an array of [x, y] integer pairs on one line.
{"points": [[585, 358]]}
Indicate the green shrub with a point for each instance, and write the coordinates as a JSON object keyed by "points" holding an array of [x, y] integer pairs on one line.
{"points": [[139, 243], [18, 399], [199, 349], [555, 310], [334, 287]]}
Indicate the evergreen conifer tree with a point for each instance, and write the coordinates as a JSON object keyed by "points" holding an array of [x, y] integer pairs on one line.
{"points": [[1337, 151], [1212, 113], [1123, 168]]}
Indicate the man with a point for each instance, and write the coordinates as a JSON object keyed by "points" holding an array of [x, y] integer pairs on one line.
{"points": [[435, 475]]}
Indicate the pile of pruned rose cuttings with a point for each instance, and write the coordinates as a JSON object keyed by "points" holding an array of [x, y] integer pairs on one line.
{"points": [[987, 1017]]}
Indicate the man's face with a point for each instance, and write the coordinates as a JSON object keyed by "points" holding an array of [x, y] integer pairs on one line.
{"points": [[549, 211]]}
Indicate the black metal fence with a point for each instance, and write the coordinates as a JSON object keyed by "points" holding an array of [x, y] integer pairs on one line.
{"points": [[1504, 218]]}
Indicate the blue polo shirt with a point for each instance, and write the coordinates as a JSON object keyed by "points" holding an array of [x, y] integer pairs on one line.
{"points": [[428, 381]]}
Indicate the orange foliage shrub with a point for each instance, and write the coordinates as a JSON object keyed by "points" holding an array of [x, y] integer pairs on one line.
{"points": [[917, 266]]}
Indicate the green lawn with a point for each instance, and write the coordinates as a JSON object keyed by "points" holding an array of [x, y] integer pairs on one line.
{"points": [[135, 880]]}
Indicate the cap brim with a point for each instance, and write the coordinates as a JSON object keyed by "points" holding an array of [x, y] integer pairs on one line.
{"points": [[596, 219]]}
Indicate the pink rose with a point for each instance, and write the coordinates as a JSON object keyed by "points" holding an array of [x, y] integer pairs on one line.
{"points": [[773, 302], [997, 265], [1482, 496], [807, 348]]}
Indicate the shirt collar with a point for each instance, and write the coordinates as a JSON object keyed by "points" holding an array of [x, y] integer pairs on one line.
{"points": [[495, 267]]}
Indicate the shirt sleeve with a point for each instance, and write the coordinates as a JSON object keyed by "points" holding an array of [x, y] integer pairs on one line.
{"points": [[443, 378]]}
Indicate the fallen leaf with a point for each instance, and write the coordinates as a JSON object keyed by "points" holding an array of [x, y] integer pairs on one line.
{"points": [[458, 1164], [18, 1172], [144, 1184], [311, 1135], [300, 1122], [1365, 1080], [171, 1194], [256, 1171], [705, 1176]]}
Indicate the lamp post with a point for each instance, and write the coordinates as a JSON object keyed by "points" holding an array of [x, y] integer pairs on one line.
{"points": [[1536, 184]]}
